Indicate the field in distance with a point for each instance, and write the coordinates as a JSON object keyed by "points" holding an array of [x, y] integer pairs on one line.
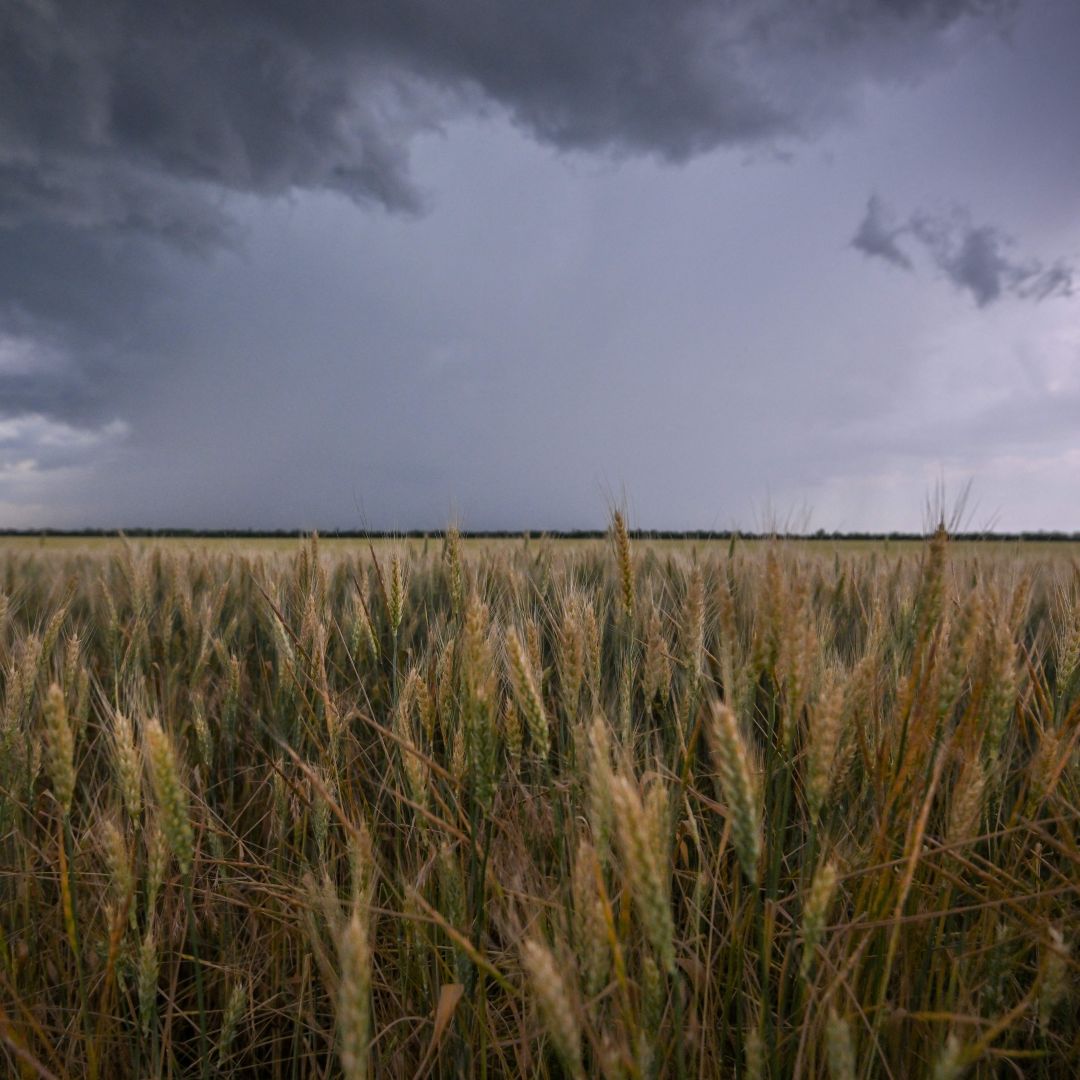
{"points": [[478, 545]]}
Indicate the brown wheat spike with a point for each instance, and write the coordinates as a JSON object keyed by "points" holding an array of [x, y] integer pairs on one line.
{"points": [[571, 654], [71, 660], [398, 588], [964, 640], [455, 573], [1044, 766], [13, 699], [554, 1003], [739, 784], [600, 779], [527, 694], [656, 672], [646, 867], [363, 633], [653, 999], [839, 1048], [754, 1054], [235, 1007], [535, 650], [147, 979], [157, 860], [56, 621], [354, 996], [590, 923], [826, 730], [128, 766], [931, 587], [1053, 976], [1066, 639], [1001, 676], [60, 748], [775, 605], [477, 699], [30, 660], [693, 628], [814, 911], [967, 798], [171, 795], [510, 726], [118, 860]]}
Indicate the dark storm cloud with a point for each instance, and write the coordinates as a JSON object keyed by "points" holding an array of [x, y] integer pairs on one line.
{"points": [[117, 198], [122, 120], [977, 259], [105, 106], [129, 129], [81, 302], [99, 100]]}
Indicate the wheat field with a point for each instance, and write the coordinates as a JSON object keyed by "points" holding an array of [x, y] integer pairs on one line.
{"points": [[539, 809]]}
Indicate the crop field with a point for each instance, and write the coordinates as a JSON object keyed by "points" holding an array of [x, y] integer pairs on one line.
{"points": [[539, 809]]}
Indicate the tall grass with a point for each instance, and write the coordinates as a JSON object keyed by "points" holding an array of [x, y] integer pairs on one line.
{"points": [[539, 811]]}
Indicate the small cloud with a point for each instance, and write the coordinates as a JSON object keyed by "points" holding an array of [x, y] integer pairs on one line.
{"points": [[23, 355], [44, 464], [33, 443], [21, 466], [876, 235], [977, 259]]}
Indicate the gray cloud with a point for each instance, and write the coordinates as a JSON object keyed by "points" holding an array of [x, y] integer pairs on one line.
{"points": [[105, 107], [120, 118], [32, 443], [878, 235], [82, 303], [111, 113], [976, 259]]}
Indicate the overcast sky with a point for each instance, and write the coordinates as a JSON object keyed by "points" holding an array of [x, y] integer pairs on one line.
{"points": [[339, 264]]}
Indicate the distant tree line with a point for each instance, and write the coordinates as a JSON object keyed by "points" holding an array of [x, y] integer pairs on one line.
{"points": [[531, 534]]}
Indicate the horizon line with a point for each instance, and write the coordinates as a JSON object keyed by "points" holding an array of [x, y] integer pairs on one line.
{"points": [[142, 532]]}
